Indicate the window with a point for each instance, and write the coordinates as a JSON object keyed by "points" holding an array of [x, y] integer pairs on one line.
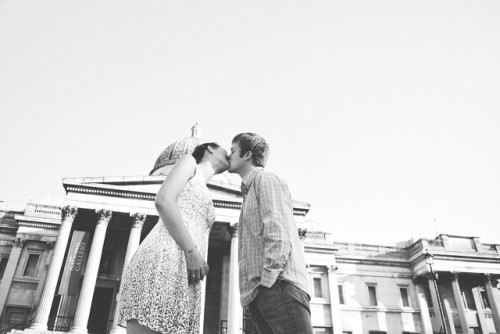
{"points": [[318, 291], [372, 292], [322, 330], [31, 265], [404, 297], [14, 315], [341, 294], [484, 299], [106, 264], [3, 264]]}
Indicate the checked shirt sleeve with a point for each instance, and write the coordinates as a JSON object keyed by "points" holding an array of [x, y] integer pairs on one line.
{"points": [[275, 207]]}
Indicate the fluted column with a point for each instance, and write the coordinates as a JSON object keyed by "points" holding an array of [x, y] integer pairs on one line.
{"points": [[449, 316], [436, 302], [89, 280], [10, 270], [494, 302], [424, 308], [42, 315], [480, 310], [235, 311], [334, 299], [457, 294], [133, 243]]}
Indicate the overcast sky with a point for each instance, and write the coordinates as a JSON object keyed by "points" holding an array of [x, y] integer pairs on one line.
{"points": [[383, 115]]}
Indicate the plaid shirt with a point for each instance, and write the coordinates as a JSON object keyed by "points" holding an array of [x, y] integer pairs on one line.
{"points": [[269, 245]]}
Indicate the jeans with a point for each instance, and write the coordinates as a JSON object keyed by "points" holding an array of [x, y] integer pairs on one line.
{"points": [[281, 309]]}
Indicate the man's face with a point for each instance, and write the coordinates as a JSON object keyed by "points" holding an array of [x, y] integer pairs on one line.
{"points": [[222, 157], [236, 162]]}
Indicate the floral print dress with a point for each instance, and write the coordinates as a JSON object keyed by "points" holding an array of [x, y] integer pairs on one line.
{"points": [[155, 289]]}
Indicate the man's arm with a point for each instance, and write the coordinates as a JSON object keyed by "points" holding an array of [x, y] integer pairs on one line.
{"points": [[275, 206]]}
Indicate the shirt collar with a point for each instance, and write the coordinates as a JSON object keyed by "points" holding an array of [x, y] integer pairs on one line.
{"points": [[248, 179]]}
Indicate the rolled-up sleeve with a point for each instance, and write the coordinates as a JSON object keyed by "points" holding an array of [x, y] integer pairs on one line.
{"points": [[274, 200]]}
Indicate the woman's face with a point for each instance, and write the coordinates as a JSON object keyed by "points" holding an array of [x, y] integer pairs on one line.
{"points": [[221, 155]]}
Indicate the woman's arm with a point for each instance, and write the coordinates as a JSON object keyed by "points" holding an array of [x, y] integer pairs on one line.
{"points": [[169, 213]]}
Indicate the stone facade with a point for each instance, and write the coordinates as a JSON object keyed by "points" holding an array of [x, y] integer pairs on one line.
{"points": [[61, 264], [356, 287]]}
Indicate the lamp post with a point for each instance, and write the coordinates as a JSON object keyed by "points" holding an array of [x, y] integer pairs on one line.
{"points": [[429, 259]]}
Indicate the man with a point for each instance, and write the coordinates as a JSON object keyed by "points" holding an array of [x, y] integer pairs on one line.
{"points": [[273, 278]]}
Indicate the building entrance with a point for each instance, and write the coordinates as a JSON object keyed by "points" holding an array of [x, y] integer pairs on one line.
{"points": [[99, 322]]}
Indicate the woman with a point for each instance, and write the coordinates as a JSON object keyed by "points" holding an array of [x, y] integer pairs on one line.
{"points": [[161, 290]]}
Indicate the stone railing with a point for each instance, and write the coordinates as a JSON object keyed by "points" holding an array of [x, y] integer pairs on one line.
{"points": [[490, 248], [45, 211], [372, 250]]}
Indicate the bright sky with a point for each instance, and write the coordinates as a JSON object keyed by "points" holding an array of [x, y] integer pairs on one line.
{"points": [[384, 115]]}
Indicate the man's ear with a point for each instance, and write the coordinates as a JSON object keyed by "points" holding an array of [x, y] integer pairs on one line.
{"points": [[210, 149], [247, 155]]}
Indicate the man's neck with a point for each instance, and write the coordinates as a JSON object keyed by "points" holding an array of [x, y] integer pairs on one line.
{"points": [[244, 171]]}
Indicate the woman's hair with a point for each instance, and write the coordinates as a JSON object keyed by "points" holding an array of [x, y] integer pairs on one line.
{"points": [[199, 150], [254, 143]]}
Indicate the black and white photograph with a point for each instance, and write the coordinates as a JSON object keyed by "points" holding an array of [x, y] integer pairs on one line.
{"points": [[259, 167]]}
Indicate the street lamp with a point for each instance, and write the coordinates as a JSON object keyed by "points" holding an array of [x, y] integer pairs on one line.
{"points": [[429, 259]]}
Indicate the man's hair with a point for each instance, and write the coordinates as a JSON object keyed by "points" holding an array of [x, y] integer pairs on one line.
{"points": [[199, 150], [252, 142]]}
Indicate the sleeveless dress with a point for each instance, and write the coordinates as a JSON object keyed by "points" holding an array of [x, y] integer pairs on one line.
{"points": [[155, 289]]}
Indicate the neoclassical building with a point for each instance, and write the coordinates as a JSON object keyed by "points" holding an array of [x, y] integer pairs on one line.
{"points": [[61, 264]]}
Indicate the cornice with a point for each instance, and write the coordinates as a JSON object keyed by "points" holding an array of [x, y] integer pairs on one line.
{"points": [[478, 258], [106, 191], [5, 230], [43, 225], [373, 262], [319, 250], [149, 196]]}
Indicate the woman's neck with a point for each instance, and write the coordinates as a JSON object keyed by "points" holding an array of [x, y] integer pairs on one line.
{"points": [[207, 170]]}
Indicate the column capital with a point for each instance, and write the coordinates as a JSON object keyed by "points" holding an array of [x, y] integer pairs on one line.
{"points": [[302, 232], [429, 276], [487, 277], [18, 242], [68, 212], [421, 279], [454, 275], [103, 216], [332, 268], [233, 229], [50, 244], [138, 219]]}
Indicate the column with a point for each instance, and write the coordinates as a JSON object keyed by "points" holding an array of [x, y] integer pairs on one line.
{"points": [[10, 270], [438, 307], [480, 310], [203, 286], [449, 315], [494, 302], [424, 308], [457, 294], [235, 311], [334, 299], [90, 278], [134, 239], [42, 315]]}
